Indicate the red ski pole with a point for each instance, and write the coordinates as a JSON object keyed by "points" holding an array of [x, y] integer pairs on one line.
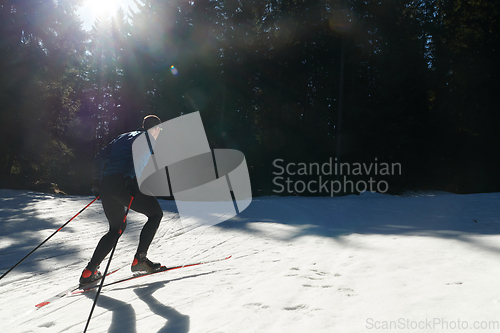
{"points": [[55, 232]]}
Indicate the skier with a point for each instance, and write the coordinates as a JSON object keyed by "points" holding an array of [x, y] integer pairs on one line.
{"points": [[114, 181]]}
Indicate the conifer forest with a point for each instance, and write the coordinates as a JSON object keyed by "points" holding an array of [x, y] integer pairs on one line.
{"points": [[412, 83]]}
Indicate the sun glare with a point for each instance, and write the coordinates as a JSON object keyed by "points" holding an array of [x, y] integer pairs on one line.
{"points": [[93, 9], [102, 7]]}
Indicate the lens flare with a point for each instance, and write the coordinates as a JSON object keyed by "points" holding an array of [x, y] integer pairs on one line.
{"points": [[174, 70]]}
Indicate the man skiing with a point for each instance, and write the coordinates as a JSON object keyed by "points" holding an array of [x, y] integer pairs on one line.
{"points": [[114, 181]]}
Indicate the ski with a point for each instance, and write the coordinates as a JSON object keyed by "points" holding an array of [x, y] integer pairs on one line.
{"points": [[64, 293], [162, 269]]}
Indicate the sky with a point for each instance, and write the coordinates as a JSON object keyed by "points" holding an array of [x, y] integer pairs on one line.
{"points": [[91, 9]]}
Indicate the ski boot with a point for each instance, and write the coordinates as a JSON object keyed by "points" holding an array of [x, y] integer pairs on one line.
{"points": [[90, 274], [142, 264]]}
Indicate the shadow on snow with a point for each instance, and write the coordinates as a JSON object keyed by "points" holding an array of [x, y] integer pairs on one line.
{"points": [[123, 315], [440, 215]]}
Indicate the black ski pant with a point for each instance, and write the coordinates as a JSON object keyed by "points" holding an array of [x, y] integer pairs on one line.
{"points": [[115, 198]]}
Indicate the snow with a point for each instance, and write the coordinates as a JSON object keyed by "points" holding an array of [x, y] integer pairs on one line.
{"points": [[423, 262]]}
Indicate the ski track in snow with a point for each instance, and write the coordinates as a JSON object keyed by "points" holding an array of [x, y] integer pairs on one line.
{"points": [[343, 264]]}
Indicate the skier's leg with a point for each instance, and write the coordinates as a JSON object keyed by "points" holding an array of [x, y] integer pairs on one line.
{"points": [[115, 212], [112, 193], [144, 204], [149, 206], [115, 197]]}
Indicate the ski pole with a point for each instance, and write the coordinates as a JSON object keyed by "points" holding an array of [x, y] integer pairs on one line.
{"points": [[36, 248], [107, 266]]}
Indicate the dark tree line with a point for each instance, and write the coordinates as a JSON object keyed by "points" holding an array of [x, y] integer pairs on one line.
{"points": [[412, 82]]}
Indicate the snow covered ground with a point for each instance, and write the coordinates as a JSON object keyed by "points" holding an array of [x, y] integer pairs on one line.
{"points": [[369, 263]]}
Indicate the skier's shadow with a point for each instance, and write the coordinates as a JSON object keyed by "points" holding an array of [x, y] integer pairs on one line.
{"points": [[176, 321], [124, 317], [123, 314]]}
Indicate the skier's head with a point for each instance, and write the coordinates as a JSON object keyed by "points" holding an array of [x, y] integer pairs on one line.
{"points": [[150, 121]]}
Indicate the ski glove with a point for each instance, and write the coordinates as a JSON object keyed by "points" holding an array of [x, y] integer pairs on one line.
{"points": [[95, 187], [131, 185]]}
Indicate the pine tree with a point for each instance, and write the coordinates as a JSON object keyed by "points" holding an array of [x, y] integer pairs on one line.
{"points": [[40, 61]]}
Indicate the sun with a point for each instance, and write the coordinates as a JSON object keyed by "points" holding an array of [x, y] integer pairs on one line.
{"points": [[102, 7]]}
